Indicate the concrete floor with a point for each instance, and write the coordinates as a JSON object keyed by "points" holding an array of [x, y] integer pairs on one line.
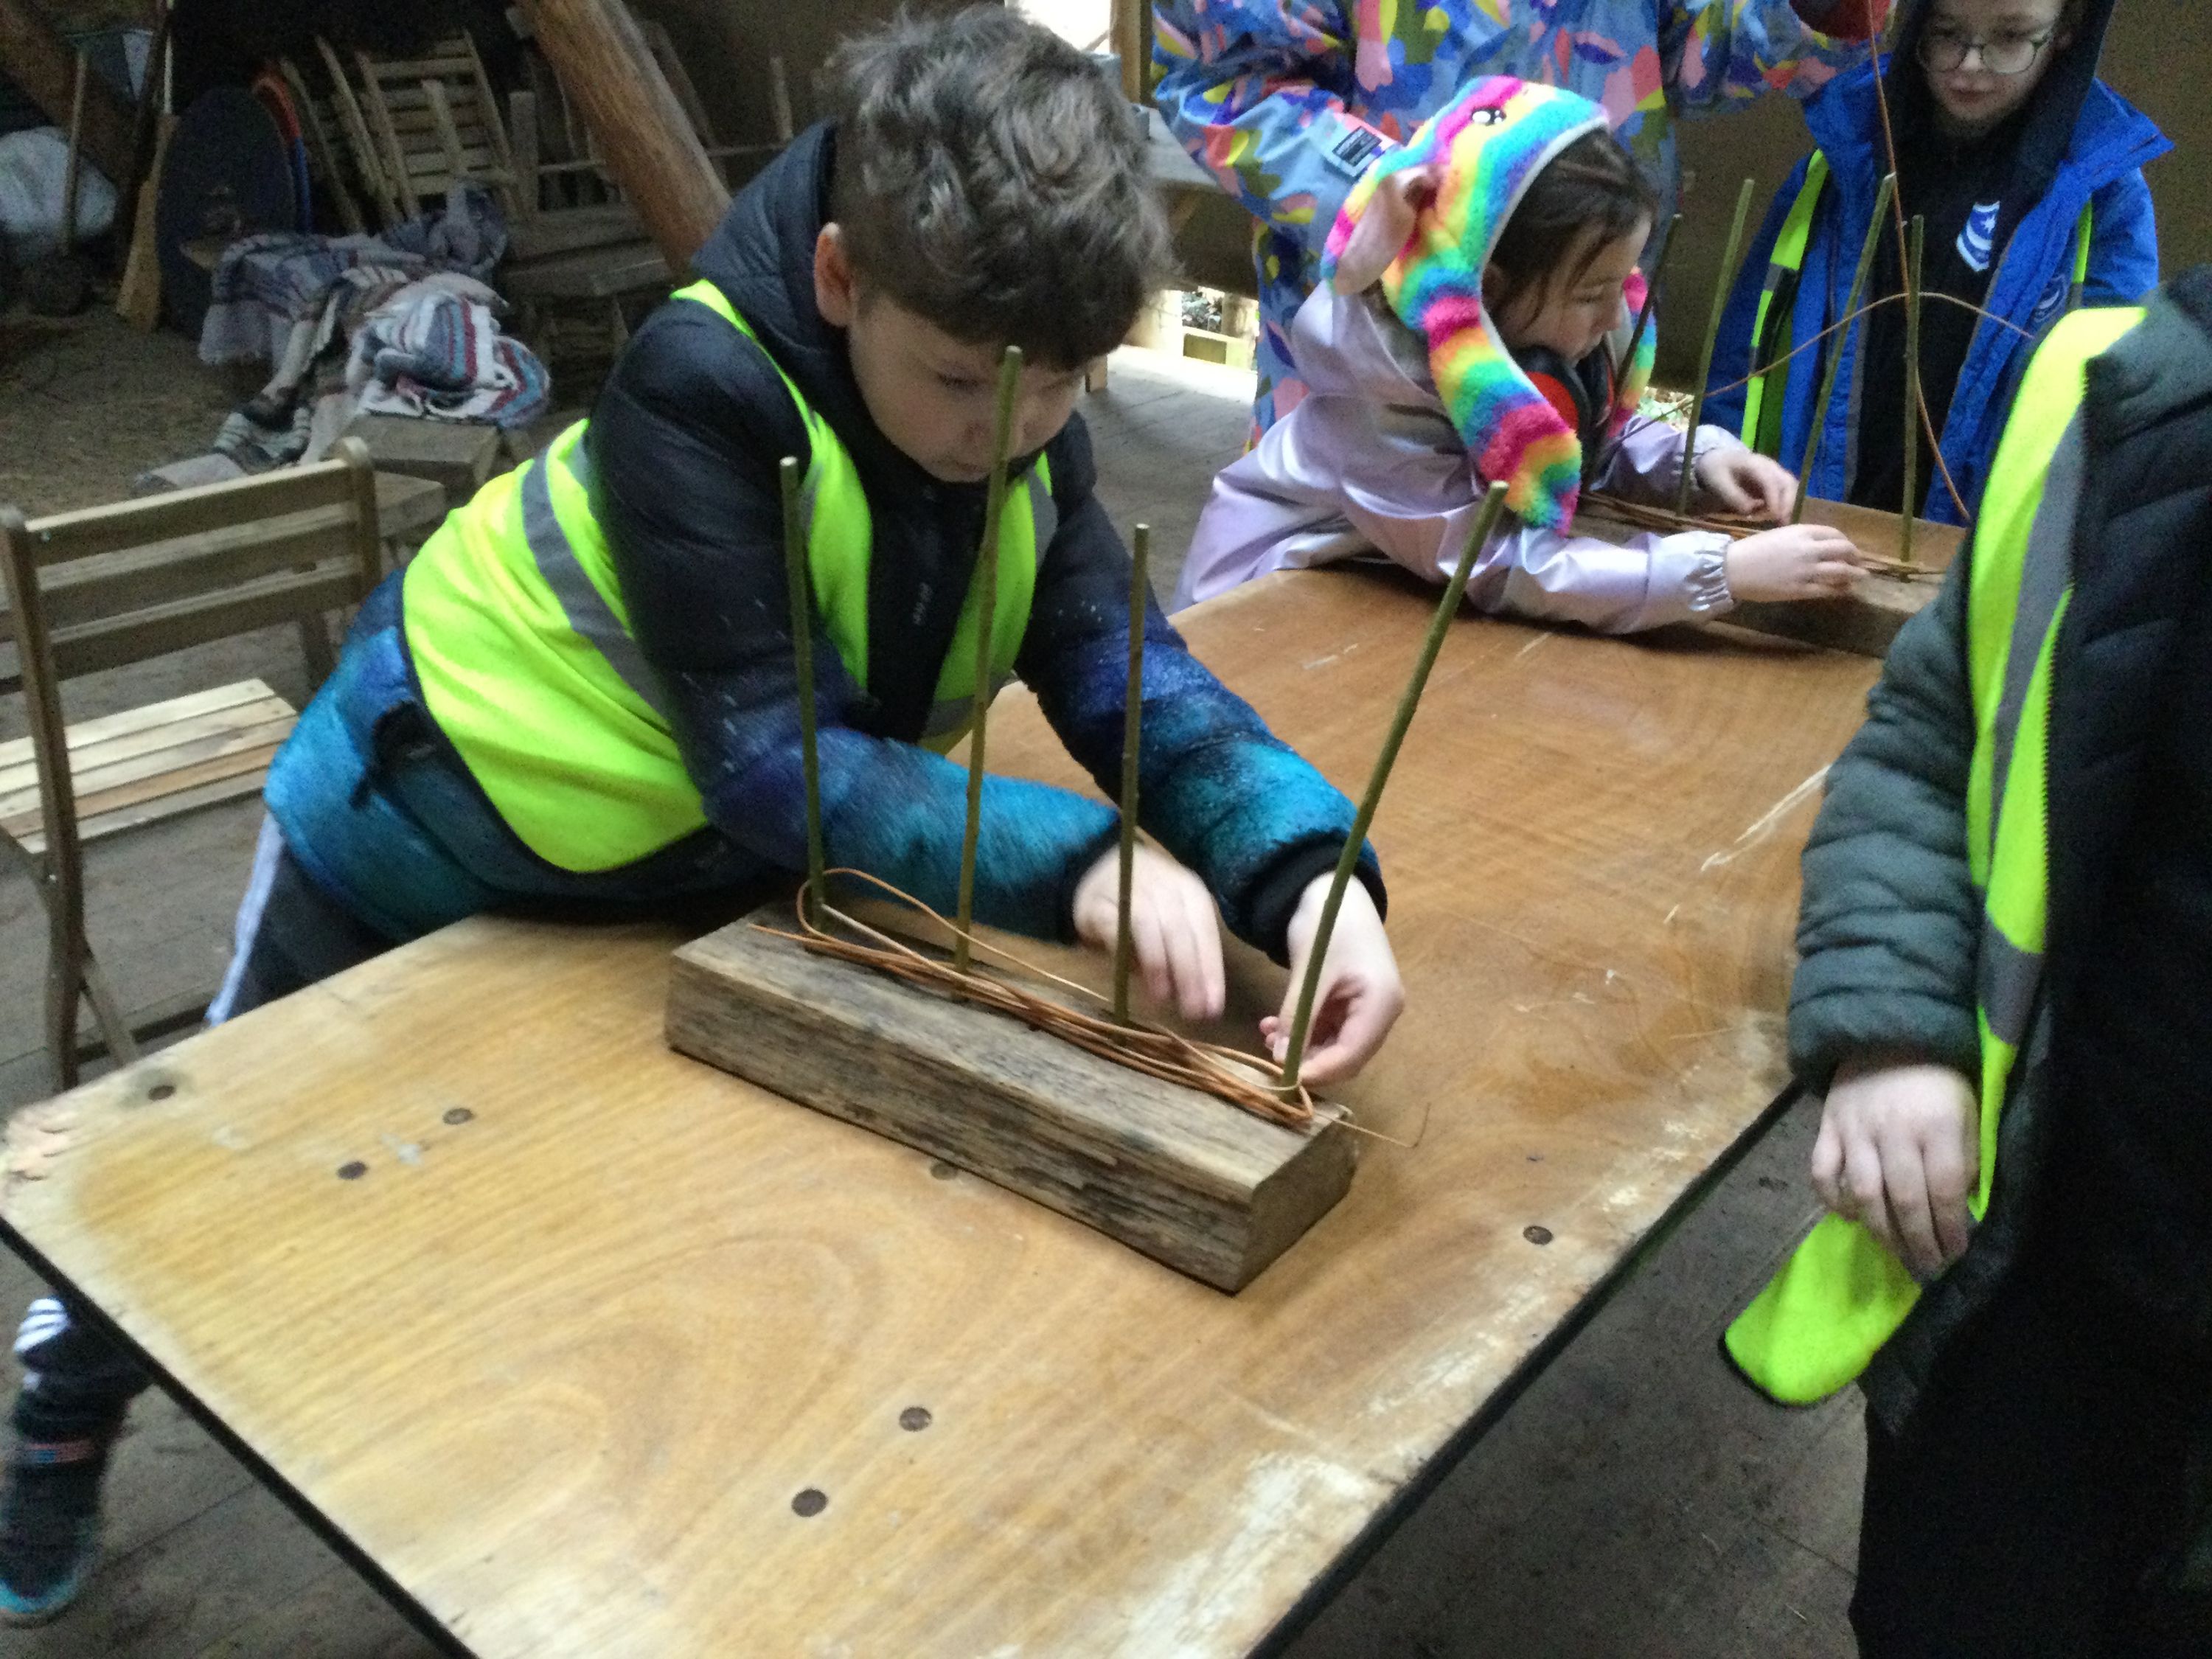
{"points": [[1636, 1501]]}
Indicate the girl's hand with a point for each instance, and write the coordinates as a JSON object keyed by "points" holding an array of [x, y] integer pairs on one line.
{"points": [[1744, 481], [1797, 561], [1898, 1153], [1174, 931], [1359, 997]]}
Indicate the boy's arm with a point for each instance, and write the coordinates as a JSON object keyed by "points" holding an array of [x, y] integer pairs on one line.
{"points": [[1717, 52], [1256, 90], [1215, 788], [683, 445], [1888, 926], [2122, 243]]}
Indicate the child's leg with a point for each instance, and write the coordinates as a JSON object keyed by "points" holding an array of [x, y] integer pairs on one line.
{"points": [[2035, 1481], [76, 1386]]}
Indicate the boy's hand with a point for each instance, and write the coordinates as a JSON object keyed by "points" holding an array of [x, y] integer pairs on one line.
{"points": [[1359, 997], [1174, 931], [1898, 1152], [1797, 561], [1743, 481]]}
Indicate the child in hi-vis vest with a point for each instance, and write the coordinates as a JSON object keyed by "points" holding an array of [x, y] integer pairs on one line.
{"points": [[2006, 926], [582, 690], [2028, 171]]}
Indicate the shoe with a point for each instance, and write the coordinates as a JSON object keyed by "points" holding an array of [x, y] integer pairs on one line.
{"points": [[49, 1526]]}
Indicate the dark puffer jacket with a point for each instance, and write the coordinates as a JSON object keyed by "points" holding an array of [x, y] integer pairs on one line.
{"points": [[2105, 1148], [684, 443]]}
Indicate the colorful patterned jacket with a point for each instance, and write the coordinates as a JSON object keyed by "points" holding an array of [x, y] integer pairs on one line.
{"points": [[1285, 103]]}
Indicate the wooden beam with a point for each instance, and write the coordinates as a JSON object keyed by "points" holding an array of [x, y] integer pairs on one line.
{"points": [[609, 74], [35, 56], [1188, 1180]]}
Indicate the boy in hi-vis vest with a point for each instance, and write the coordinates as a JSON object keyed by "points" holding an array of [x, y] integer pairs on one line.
{"points": [[582, 690], [2005, 933]]}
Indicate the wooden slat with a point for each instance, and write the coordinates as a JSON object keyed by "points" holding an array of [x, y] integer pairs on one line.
{"points": [[209, 507], [154, 800], [217, 561], [568, 230], [235, 706], [112, 643], [191, 706], [595, 273], [151, 754], [404, 70]]}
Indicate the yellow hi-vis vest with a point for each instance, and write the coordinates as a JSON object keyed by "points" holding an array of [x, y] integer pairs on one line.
{"points": [[1773, 336], [1819, 1320], [521, 642]]}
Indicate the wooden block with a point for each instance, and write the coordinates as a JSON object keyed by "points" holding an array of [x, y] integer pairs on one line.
{"points": [[1866, 621], [459, 455], [1187, 1179]]}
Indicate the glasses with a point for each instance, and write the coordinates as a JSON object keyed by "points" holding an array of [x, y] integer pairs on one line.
{"points": [[2008, 54]]}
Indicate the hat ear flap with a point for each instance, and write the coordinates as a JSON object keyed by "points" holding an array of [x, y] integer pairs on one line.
{"points": [[1386, 227]]}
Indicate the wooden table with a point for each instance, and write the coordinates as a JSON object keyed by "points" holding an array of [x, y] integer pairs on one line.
{"points": [[582, 1348]]}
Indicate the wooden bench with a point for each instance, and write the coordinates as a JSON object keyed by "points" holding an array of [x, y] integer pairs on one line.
{"points": [[111, 586]]}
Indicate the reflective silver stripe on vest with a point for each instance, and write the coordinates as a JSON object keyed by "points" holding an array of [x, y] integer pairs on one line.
{"points": [[587, 613], [948, 715], [2007, 977]]}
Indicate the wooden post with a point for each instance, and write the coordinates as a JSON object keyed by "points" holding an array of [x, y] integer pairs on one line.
{"points": [[1131, 44], [986, 595], [1294, 1051], [37, 59], [1913, 415], [1835, 353], [1132, 716], [1721, 287], [609, 73]]}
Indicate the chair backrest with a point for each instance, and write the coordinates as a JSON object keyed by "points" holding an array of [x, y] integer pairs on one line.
{"points": [[110, 586], [115, 585]]}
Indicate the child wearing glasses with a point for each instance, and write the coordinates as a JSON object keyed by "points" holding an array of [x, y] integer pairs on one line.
{"points": [[2028, 171]]}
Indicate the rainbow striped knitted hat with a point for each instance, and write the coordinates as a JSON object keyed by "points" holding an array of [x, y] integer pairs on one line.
{"points": [[1494, 138]]}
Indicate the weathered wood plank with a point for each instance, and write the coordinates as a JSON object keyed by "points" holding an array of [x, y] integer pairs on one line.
{"points": [[1863, 622], [1186, 1178]]}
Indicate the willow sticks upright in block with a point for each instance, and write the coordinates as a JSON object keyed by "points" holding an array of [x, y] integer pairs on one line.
{"points": [[986, 594], [1493, 504], [1909, 508], [1133, 717], [1721, 287], [1835, 352], [802, 656]]}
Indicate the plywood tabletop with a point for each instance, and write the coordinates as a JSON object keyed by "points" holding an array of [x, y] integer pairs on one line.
{"points": [[599, 1352]]}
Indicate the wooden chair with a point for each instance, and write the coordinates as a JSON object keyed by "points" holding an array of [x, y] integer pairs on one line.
{"points": [[116, 585]]}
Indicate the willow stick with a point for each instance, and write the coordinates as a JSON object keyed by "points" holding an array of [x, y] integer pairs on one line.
{"points": [[986, 594], [802, 655], [1712, 336], [1132, 718], [1493, 504], [1882, 202], [1913, 413]]}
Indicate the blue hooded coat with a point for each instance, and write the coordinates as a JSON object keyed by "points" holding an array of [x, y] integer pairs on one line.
{"points": [[2096, 145]]}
